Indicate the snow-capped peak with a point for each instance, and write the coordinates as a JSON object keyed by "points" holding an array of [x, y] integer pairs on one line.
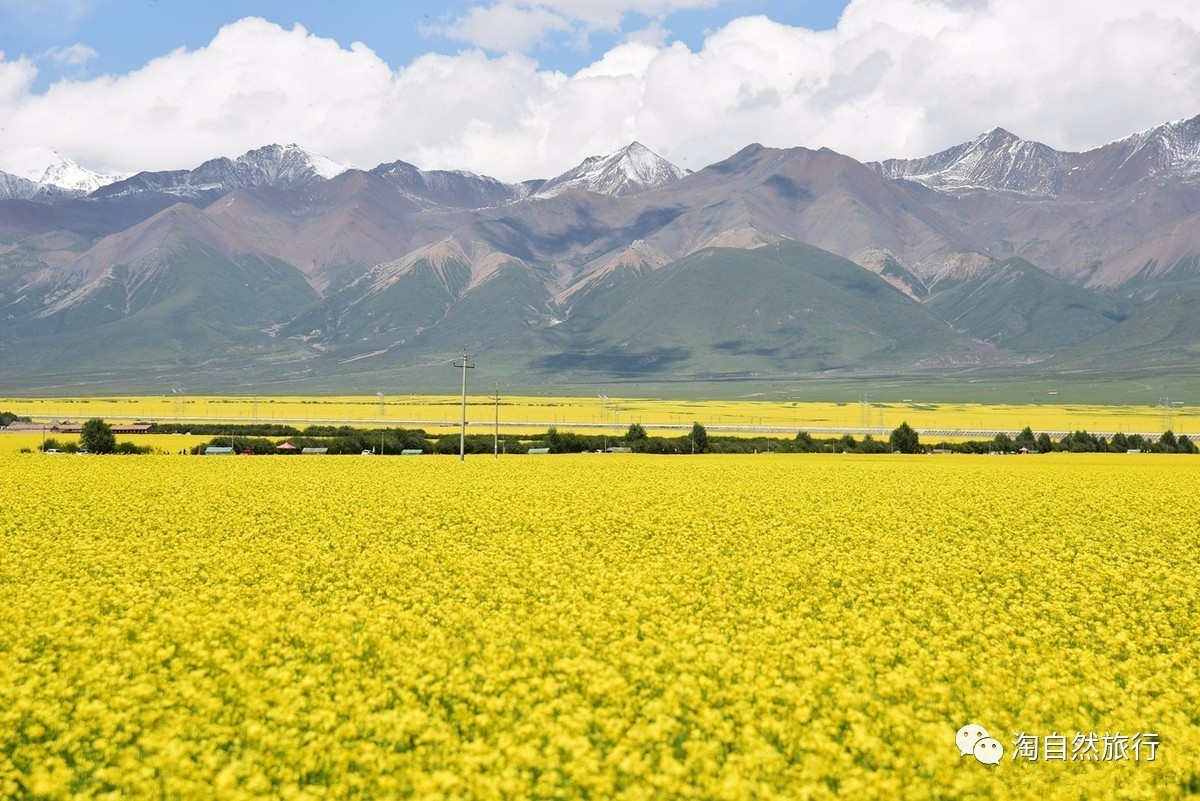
{"points": [[283, 163], [48, 167], [996, 159], [628, 171], [1172, 147]]}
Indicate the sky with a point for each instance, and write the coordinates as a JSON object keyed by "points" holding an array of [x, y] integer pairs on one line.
{"points": [[521, 89]]}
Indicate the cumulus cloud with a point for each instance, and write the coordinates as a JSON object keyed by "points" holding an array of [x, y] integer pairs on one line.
{"points": [[895, 78], [505, 27]]}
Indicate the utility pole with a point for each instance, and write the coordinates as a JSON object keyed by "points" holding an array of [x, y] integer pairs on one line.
{"points": [[462, 437], [496, 433], [603, 416]]}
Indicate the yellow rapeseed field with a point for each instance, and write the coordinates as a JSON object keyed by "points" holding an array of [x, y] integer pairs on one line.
{"points": [[438, 414], [594, 626]]}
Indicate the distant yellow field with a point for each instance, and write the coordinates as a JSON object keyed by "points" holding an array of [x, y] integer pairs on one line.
{"points": [[516, 414]]}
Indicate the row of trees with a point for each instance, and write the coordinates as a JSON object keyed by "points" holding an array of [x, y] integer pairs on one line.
{"points": [[97, 437], [902, 440], [1075, 442]]}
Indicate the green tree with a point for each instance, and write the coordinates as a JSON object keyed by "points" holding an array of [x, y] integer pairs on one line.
{"points": [[1168, 442], [97, 437], [9, 417], [1044, 443], [804, 442], [1026, 439], [1186, 445], [636, 433], [905, 439], [699, 438]]}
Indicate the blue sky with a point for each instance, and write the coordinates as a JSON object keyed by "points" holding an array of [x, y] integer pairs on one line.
{"points": [[521, 89], [125, 34]]}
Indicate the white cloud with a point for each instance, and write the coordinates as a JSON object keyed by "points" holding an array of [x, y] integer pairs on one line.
{"points": [[518, 25], [76, 55], [505, 27], [896, 78], [16, 78], [58, 17]]}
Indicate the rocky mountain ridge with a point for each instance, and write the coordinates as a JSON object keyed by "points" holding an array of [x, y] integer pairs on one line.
{"points": [[997, 253]]}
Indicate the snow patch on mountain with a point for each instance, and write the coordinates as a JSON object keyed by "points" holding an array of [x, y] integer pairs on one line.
{"points": [[996, 160], [449, 189], [628, 171], [14, 187], [1170, 148], [47, 167], [285, 165], [278, 166]]}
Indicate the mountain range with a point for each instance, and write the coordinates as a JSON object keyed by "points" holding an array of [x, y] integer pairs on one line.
{"points": [[283, 268]]}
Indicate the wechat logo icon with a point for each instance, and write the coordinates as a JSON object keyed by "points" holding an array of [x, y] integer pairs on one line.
{"points": [[974, 739]]}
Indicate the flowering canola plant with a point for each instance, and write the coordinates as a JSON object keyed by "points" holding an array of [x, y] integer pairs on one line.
{"points": [[599, 626]]}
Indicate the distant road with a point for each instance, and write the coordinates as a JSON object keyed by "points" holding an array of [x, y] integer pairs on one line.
{"points": [[717, 428]]}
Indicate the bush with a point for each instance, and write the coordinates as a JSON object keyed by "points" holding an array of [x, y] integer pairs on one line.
{"points": [[561, 442], [872, 445], [661, 445], [446, 444], [699, 438]]}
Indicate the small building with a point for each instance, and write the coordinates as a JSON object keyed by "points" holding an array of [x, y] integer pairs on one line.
{"points": [[213, 450], [313, 451], [131, 428], [18, 427]]}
